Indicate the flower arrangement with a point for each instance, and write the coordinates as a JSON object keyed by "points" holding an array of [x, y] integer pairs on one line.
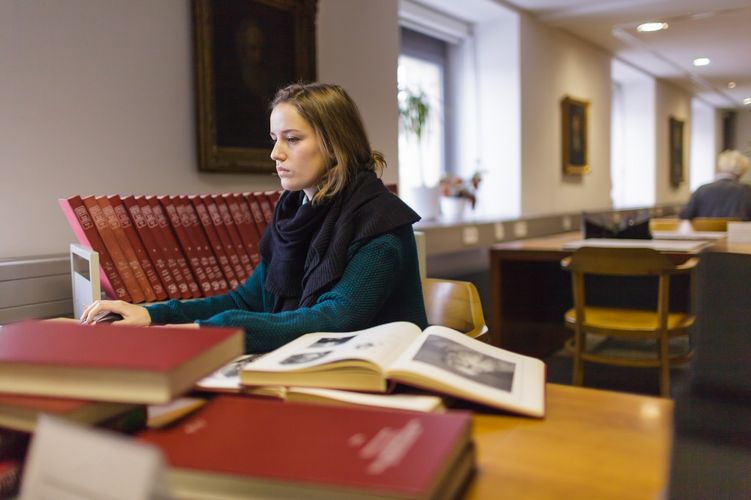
{"points": [[457, 187]]}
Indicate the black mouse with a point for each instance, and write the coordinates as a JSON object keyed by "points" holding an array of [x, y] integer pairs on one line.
{"points": [[109, 317]]}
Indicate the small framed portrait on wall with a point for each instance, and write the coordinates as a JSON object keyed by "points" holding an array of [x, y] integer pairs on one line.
{"points": [[244, 51], [676, 127], [574, 142]]}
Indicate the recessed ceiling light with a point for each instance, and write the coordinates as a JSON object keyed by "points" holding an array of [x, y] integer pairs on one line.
{"points": [[701, 61], [731, 85], [747, 101], [652, 26]]}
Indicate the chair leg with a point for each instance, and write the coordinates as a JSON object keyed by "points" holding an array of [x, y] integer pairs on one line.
{"points": [[578, 372], [664, 367]]}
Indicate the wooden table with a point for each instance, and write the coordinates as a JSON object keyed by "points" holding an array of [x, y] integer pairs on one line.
{"points": [[529, 292], [591, 444]]}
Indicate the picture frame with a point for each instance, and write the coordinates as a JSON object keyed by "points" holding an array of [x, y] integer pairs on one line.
{"points": [[677, 150], [574, 136], [244, 51]]}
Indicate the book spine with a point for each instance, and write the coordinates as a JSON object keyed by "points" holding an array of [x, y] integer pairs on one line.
{"points": [[273, 197], [245, 226], [234, 234], [255, 209], [116, 253], [229, 247], [266, 209], [191, 253], [85, 230], [215, 242], [164, 247], [169, 238], [208, 260], [151, 248], [128, 251], [142, 257]]}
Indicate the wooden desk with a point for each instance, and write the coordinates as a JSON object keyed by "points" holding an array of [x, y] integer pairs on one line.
{"points": [[529, 293], [592, 444]]}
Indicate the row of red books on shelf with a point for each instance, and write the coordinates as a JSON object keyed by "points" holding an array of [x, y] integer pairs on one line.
{"points": [[172, 247]]}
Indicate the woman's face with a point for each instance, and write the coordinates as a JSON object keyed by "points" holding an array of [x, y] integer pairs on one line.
{"points": [[299, 160]]}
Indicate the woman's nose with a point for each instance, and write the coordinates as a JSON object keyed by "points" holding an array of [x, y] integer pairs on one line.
{"points": [[276, 153]]}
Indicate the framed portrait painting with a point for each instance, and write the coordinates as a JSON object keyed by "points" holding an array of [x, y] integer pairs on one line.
{"points": [[676, 151], [244, 51], [574, 144]]}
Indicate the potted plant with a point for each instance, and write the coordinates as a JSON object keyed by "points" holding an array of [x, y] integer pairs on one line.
{"points": [[457, 193]]}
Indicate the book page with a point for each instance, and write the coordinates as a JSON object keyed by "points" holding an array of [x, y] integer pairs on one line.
{"points": [[450, 362], [378, 345], [227, 378]]}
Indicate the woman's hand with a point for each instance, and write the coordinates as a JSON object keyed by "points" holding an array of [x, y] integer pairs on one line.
{"points": [[132, 314]]}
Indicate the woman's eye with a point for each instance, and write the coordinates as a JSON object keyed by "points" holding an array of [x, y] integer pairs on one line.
{"points": [[293, 139]]}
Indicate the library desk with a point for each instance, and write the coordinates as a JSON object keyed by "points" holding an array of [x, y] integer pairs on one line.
{"points": [[529, 292], [591, 444]]}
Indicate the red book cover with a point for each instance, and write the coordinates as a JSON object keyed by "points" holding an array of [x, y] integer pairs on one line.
{"points": [[245, 226], [85, 230], [208, 260], [273, 197], [167, 249], [135, 243], [122, 240], [234, 234], [113, 247], [174, 247], [108, 362], [153, 249], [266, 209], [216, 244], [221, 230], [255, 209], [296, 449]]}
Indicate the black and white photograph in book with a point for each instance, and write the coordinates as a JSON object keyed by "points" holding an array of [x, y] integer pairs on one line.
{"points": [[466, 362], [304, 357], [331, 341]]}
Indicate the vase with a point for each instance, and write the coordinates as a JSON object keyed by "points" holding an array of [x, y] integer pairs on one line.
{"points": [[453, 207], [424, 201]]}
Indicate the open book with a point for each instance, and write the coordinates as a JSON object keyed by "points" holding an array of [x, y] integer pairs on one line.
{"points": [[438, 359]]}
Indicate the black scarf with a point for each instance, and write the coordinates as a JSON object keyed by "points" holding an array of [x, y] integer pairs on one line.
{"points": [[305, 248]]}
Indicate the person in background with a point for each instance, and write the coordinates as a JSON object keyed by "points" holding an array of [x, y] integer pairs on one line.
{"points": [[340, 254], [725, 196]]}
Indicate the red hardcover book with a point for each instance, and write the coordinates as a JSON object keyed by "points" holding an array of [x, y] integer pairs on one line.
{"points": [[255, 209], [163, 224], [245, 226], [216, 244], [208, 260], [85, 230], [273, 197], [113, 248], [135, 243], [152, 248], [296, 450], [234, 234], [108, 362], [167, 250], [266, 208], [221, 229]]}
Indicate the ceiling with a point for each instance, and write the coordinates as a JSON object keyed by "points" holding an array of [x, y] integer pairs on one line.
{"points": [[717, 29]]}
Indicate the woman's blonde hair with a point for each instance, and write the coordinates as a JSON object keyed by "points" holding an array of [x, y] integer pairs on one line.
{"points": [[732, 161], [339, 129]]}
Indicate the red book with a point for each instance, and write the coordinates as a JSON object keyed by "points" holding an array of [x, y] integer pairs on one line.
{"points": [[216, 244], [296, 450], [152, 248], [273, 197], [208, 260], [85, 230], [245, 226], [108, 362], [221, 230], [142, 258], [266, 208], [113, 247], [255, 209], [234, 234], [169, 238]]}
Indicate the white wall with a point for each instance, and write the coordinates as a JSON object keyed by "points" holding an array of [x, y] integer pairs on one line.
{"points": [[553, 65], [671, 101], [703, 144], [97, 98]]}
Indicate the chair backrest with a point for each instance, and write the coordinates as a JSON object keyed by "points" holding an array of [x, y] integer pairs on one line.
{"points": [[618, 261], [664, 223], [711, 223], [454, 304]]}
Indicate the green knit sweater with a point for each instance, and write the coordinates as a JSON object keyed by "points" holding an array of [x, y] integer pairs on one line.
{"points": [[380, 284]]}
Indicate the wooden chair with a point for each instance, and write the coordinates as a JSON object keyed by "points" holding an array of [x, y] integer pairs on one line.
{"points": [[664, 223], [455, 304], [711, 223], [658, 325]]}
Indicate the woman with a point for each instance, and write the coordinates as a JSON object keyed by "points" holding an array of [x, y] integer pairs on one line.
{"points": [[340, 254]]}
